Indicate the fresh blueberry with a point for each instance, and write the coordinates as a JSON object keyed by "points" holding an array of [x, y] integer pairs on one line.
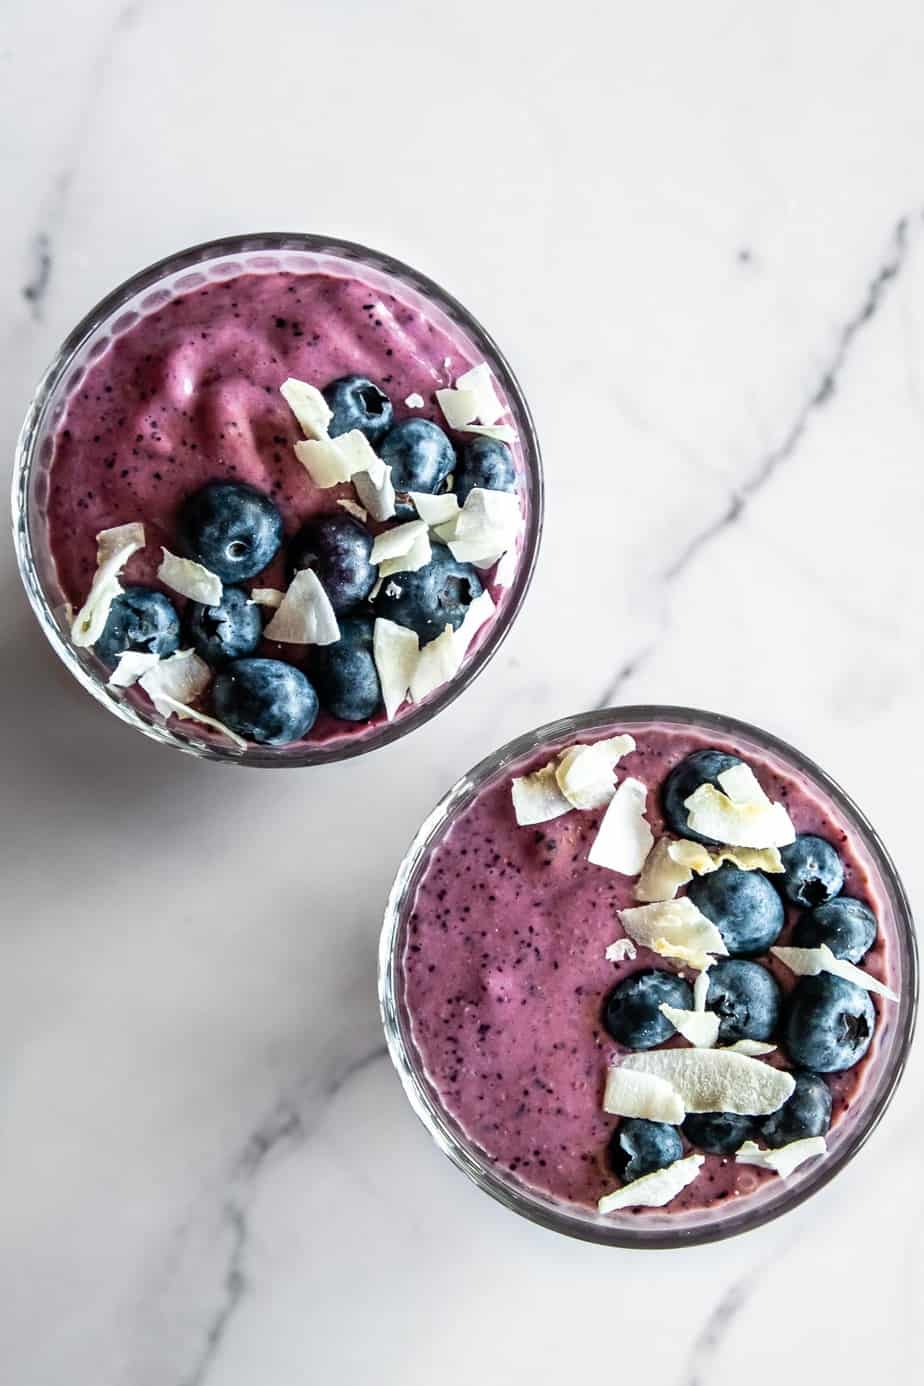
{"points": [[827, 1023], [718, 1133], [639, 1147], [232, 529], [346, 677], [265, 700], [631, 1012], [743, 906], [356, 402], [846, 925], [806, 1113], [337, 547], [814, 872], [745, 997], [420, 456], [701, 767], [229, 630], [485, 462], [139, 619], [437, 595]]}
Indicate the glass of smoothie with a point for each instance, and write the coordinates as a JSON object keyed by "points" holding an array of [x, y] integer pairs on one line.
{"points": [[648, 976], [277, 500]]}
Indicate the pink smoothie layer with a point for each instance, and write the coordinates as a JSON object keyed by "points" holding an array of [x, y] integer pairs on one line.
{"points": [[505, 975], [190, 394]]}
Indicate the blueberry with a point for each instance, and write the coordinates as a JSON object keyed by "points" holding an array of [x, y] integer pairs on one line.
{"points": [[437, 595], [346, 677], [718, 1133], [139, 619], [639, 1147], [827, 1023], [701, 767], [229, 630], [232, 529], [337, 547], [485, 462], [265, 700], [745, 997], [356, 402], [846, 925], [630, 1011], [743, 906], [806, 1113], [420, 456], [814, 872]]}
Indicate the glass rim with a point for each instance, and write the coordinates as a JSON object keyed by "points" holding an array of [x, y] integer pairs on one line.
{"points": [[183, 736], [464, 1153]]}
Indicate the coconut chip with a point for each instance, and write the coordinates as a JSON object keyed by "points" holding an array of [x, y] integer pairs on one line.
{"points": [[305, 615], [619, 951], [266, 596], [701, 990], [537, 797], [479, 382], [309, 406], [662, 875], [504, 433], [656, 1189], [699, 1027], [184, 712], [630, 1094], [624, 837], [415, 401], [357, 511], [437, 663], [114, 547], [485, 527], [585, 772], [507, 568], [131, 665], [330, 461], [675, 929], [786, 1158], [808, 962], [713, 813], [395, 650], [190, 579], [704, 860], [376, 491], [755, 1049], [435, 510], [178, 679], [717, 1080]]}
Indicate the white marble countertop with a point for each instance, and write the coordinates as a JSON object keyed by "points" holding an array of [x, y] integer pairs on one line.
{"points": [[697, 232]]}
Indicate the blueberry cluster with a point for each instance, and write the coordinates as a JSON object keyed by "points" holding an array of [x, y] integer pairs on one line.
{"points": [[236, 532], [824, 1025]]}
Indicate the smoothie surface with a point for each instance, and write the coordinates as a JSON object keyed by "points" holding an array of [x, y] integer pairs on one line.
{"points": [[504, 974]]}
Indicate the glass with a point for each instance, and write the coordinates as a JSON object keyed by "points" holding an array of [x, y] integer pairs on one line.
{"points": [[151, 289], [650, 1227]]}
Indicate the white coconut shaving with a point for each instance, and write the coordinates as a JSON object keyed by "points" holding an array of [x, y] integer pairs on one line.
{"points": [[266, 596], [786, 1159], [437, 663], [621, 950], [358, 512], [396, 651], [503, 433], [809, 962], [755, 1049], [624, 837], [185, 713], [309, 407], [485, 528], [114, 547], [435, 510], [376, 491], [180, 678], [415, 401], [675, 929], [479, 382], [585, 773], [190, 579], [662, 875], [537, 797], [654, 1190], [717, 1080], [698, 1027], [739, 813], [671, 865], [305, 615], [130, 667], [629, 1094]]}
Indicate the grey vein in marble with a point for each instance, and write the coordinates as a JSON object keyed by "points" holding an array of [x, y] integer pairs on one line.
{"points": [[285, 1125], [699, 1370], [824, 388]]}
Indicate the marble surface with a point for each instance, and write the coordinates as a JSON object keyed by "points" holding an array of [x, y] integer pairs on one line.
{"points": [[697, 231]]}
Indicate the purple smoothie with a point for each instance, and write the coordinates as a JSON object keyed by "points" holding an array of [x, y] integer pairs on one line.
{"points": [[190, 394], [504, 974]]}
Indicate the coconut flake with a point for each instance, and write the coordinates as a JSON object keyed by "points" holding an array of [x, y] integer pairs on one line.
{"points": [[376, 492], [701, 990], [485, 527], [624, 837], [714, 814], [504, 433], [415, 401], [357, 511], [305, 615], [114, 547], [131, 665], [395, 650], [190, 579], [585, 777], [629, 1094], [672, 864], [653, 1190], [478, 380], [309, 406], [266, 596], [755, 1049], [180, 678], [662, 875], [786, 1158], [621, 950], [435, 510], [742, 786], [699, 1027], [717, 1080], [479, 612], [675, 929], [808, 962], [507, 568], [537, 797], [395, 543], [170, 705], [438, 662], [330, 461], [460, 407]]}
